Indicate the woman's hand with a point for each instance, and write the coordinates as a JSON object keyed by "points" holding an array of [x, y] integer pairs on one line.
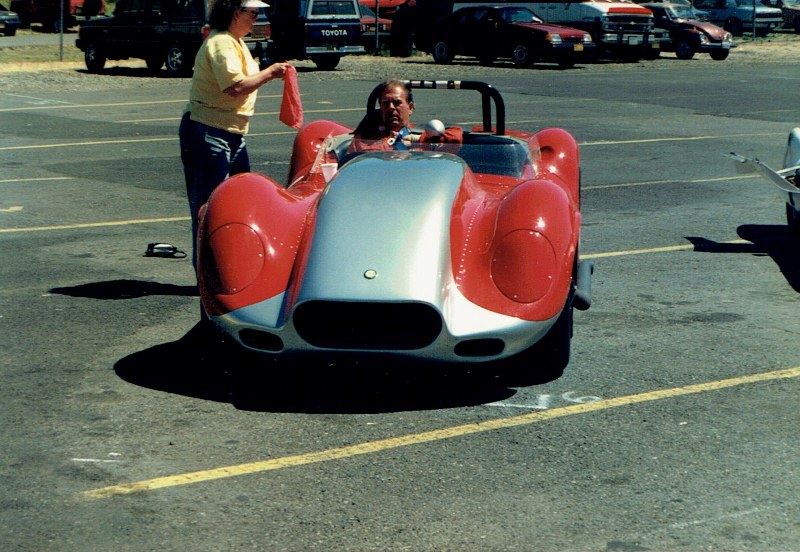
{"points": [[256, 81]]}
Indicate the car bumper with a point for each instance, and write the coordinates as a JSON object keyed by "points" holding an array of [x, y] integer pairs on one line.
{"points": [[716, 47], [320, 50], [487, 336]]}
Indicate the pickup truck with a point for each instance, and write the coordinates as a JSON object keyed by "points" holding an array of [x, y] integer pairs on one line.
{"points": [[739, 16], [169, 33]]}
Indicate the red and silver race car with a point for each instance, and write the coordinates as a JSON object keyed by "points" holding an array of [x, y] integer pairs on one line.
{"points": [[460, 252]]}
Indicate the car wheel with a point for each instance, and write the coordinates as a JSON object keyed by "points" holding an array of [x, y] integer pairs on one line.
{"points": [[10, 32], [684, 50], [177, 60], [522, 56], [326, 62], [442, 53], [797, 25], [734, 26], [719, 55], [94, 57], [546, 360], [155, 62], [793, 223]]}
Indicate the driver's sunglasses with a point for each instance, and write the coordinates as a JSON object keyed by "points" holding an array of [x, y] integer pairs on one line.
{"points": [[250, 12]]}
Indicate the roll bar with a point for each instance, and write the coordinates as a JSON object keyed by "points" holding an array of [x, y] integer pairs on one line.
{"points": [[488, 93]]}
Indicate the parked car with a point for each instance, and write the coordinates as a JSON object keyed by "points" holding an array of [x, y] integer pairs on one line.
{"points": [[320, 30], [688, 35], [737, 16], [786, 179], [368, 38], [9, 21], [790, 10], [462, 252], [488, 33], [161, 33], [49, 12]]}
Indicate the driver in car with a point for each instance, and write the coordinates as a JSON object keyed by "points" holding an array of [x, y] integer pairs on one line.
{"points": [[388, 127]]}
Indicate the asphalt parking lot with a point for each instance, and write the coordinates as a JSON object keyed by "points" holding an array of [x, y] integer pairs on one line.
{"points": [[675, 427]]}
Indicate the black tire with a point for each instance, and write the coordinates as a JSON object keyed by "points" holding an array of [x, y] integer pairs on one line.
{"points": [[53, 26], [442, 53], [522, 56], [94, 57], [546, 360], [684, 49], [796, 25], [326, 62], [793, 223], [10, 32], [719, 55], [177, 60], [734, 26]]}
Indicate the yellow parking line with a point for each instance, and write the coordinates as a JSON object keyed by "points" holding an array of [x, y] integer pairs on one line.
{"points": [[42, 179], [259, 114], [664, 249], [92, 225], [125, 141], [430, 436], [661, 182]]}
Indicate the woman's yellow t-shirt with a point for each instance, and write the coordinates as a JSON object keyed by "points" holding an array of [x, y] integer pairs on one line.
{"points": [[222, 61]]}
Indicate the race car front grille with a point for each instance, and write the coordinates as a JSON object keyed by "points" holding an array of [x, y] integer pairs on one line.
{"points": [[367, 326]]}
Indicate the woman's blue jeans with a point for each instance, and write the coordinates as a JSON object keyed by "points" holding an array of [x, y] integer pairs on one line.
{"points": [[209, 156]]}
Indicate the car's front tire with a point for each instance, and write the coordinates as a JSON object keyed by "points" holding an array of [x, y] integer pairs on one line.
{"points": [[94, 57], [545, 360], [326, 62], [684, 49], [719, 55], [442, 53], [522, 56], [177, 60]]}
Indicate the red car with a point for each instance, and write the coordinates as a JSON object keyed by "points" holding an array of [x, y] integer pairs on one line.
{"points": [[488, 33], [462, 252]]}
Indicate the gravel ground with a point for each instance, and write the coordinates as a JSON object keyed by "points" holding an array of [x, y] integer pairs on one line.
{"points": [[24, 77]]}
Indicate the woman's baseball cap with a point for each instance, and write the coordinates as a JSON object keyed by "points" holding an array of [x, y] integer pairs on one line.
{"points": [[254, 4]]}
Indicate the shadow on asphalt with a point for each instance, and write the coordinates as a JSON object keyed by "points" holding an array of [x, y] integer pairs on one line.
{"points": [[766, 240], [125, 289], [203, 366]]}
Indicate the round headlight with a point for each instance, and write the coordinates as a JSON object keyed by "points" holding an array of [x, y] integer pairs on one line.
{"points": [[235, 258], [524, 266]]}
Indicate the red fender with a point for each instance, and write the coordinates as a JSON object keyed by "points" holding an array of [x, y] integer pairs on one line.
{"points": [[249, 236], [514, 256]]}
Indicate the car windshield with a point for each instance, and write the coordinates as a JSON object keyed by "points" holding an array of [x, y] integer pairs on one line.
{"points": [[681, 12], [791, 2], [519, 15], [3, 8], [484, 154]]}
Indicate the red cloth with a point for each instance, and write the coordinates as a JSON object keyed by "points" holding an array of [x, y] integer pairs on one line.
{"points": [[291, 106]]}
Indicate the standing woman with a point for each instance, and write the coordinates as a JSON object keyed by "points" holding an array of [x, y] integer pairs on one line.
{"points": [[221, 102]]}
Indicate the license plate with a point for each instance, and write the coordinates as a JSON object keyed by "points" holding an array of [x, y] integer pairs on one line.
{"points": [[634, 40], [578, 48]]}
